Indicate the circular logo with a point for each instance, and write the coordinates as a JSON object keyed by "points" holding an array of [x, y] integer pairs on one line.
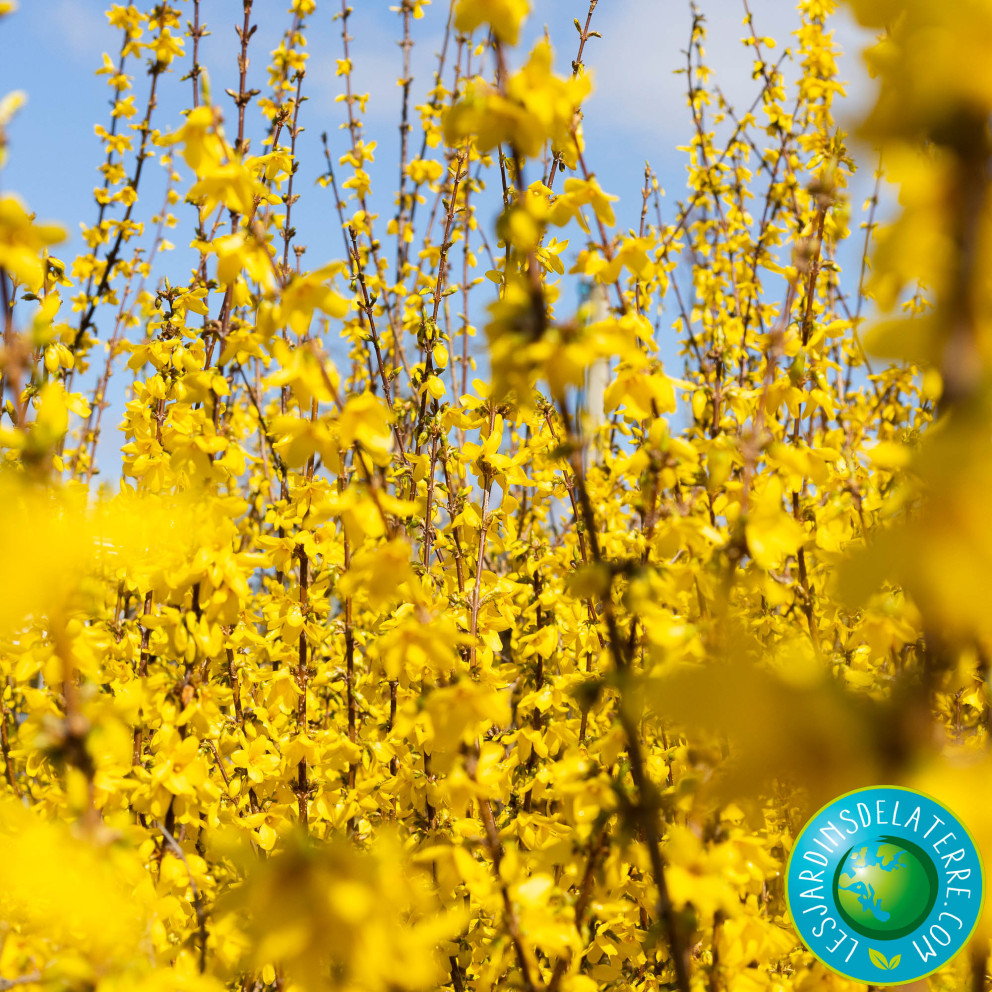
{"points": [[884, 885]]}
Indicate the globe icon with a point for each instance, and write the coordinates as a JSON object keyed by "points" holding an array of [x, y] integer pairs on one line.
{"points": [[885, 887]]}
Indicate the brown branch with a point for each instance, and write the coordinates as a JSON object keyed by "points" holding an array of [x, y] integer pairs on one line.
{"points": [[201, 916]]}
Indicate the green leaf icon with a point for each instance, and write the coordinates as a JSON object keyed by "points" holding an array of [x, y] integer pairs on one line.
{"points": [[894, 961], [878, 959]]}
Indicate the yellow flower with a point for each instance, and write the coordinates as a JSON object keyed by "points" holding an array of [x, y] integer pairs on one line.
{"points": [[504, 16], [23, 242]]}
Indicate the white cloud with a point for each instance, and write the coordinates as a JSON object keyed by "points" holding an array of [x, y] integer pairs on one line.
{"points": [[643, 41], [80, 25], [377, 62]]}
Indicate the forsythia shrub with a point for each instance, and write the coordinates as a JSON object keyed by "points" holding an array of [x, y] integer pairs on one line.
{"points": [[378, 674]]}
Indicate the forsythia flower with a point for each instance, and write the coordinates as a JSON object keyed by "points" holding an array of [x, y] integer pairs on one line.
{"points": [[449, 586], [503, 16], [22, 241]]}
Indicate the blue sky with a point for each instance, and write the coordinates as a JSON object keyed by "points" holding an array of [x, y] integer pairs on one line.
{"points": [[637, 110], [636, 113]]}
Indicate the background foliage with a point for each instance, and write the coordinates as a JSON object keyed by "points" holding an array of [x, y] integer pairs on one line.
{"points": [[398, 660]]}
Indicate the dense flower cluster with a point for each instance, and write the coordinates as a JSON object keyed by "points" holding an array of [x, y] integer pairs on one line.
{"points": [[394, 663]]}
